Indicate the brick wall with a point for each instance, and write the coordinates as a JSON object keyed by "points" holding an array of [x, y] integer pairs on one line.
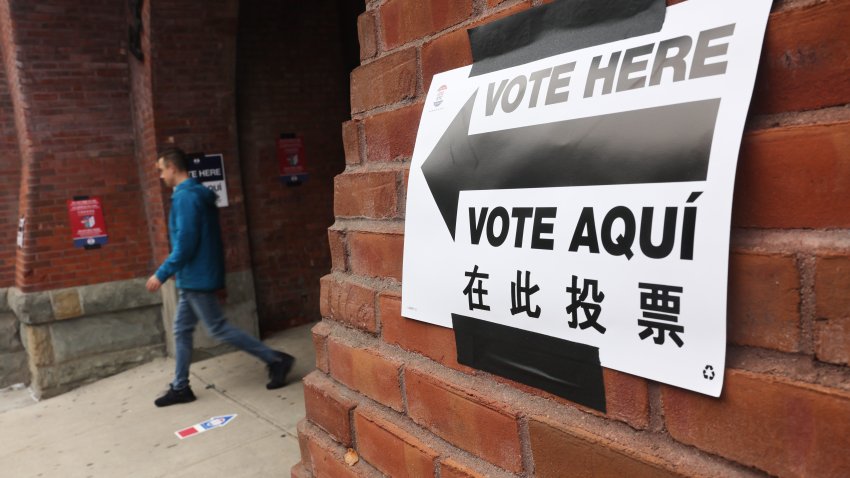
{"points": [[144, 130], [69, 69], [392, 389], [192, 75], [291, 78], [12, 116], [10, 180]]}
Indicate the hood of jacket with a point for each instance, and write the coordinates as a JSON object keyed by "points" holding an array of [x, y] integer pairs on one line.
{"points": [[207, 196]]}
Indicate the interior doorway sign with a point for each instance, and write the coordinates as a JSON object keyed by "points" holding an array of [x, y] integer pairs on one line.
{"points": [[291, 158]]}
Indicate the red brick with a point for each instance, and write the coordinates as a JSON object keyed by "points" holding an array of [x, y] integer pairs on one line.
{"points": [[385, 81], [445, 53], [804, 61], [376, 254], [299, 471], [390, 136], [764, 301], [10, 182], [392, 450], [556, 448], [525, 5], [406, 20], [351, 141], [367, 32], [452, 50], [452, 469], [627, 398], [327, 285], [404, 181], [373, 194], [457, 467], [366, 371], [783, 427], [435, 342], [348, 302], [832, 293], [336, 239], [320, 345], [304, 443], [327, 407], [465, 419], [832, 286], [832, 340], [328, 462], [794, 177], [327, 458]]}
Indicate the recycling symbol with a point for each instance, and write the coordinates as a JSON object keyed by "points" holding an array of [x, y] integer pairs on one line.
{"points": [[708, 372]]}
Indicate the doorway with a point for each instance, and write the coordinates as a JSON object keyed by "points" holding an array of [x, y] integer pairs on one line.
{"points": [[292, 82]]}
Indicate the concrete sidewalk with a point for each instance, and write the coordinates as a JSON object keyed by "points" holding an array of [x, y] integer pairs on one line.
{"points": [[111, 428]]}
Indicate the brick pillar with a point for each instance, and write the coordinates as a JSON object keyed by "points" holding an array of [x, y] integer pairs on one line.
{"points": [[68, 80], [10, 179], [391, 388], [144, 130], [13, 358]]}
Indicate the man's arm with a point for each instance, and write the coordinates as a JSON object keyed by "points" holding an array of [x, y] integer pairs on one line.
{"points": [[187, 235]]}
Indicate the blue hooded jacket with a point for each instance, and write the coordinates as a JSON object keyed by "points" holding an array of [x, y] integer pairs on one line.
{"points": [[197, 254]]}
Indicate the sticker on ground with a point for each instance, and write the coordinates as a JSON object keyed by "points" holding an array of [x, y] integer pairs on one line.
{"points": [[214, 422]]}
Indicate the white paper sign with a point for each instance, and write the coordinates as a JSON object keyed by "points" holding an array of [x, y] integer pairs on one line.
{"points": [[209, 170], [587, 196]]}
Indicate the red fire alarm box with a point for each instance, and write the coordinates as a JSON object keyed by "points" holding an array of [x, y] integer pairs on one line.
{"points": [[291, 159]]}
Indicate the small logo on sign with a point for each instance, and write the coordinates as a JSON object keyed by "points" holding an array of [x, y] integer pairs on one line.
{"points": [[440, 92], [708, 372]]}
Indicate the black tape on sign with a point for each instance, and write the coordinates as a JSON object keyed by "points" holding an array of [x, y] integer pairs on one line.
{"points": [[559, 27], [566, 369]]}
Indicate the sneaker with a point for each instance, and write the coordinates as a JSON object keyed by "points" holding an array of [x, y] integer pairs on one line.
{"points": [[279, 370], [172, 397]]}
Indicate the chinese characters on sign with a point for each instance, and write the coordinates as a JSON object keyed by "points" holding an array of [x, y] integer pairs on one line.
{"points": [[657, 302]]}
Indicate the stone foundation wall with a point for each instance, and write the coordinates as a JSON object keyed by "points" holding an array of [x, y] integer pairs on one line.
{"points": [[13, 357], [81, 334]]}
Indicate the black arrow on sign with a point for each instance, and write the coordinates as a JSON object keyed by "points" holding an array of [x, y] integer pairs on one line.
{"points": [[653, 145]]}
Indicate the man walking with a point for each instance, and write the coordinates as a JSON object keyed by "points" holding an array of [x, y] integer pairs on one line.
{"points": [[197, 261]]}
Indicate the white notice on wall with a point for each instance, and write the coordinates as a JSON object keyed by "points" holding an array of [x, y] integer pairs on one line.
{"points": [[208, 169], [587, 196]]}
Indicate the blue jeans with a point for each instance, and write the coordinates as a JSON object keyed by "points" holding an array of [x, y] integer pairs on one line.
{"points": [[194, 305]]}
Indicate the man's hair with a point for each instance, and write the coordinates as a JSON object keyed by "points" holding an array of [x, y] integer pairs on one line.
{"points": [[174, 156]]}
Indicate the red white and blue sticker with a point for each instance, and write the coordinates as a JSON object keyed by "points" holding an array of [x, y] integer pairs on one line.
{"points": [[87, 225], [214, 422]]}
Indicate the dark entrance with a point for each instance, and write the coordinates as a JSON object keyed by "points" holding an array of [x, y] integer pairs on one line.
{"points": [[292, 77]]}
